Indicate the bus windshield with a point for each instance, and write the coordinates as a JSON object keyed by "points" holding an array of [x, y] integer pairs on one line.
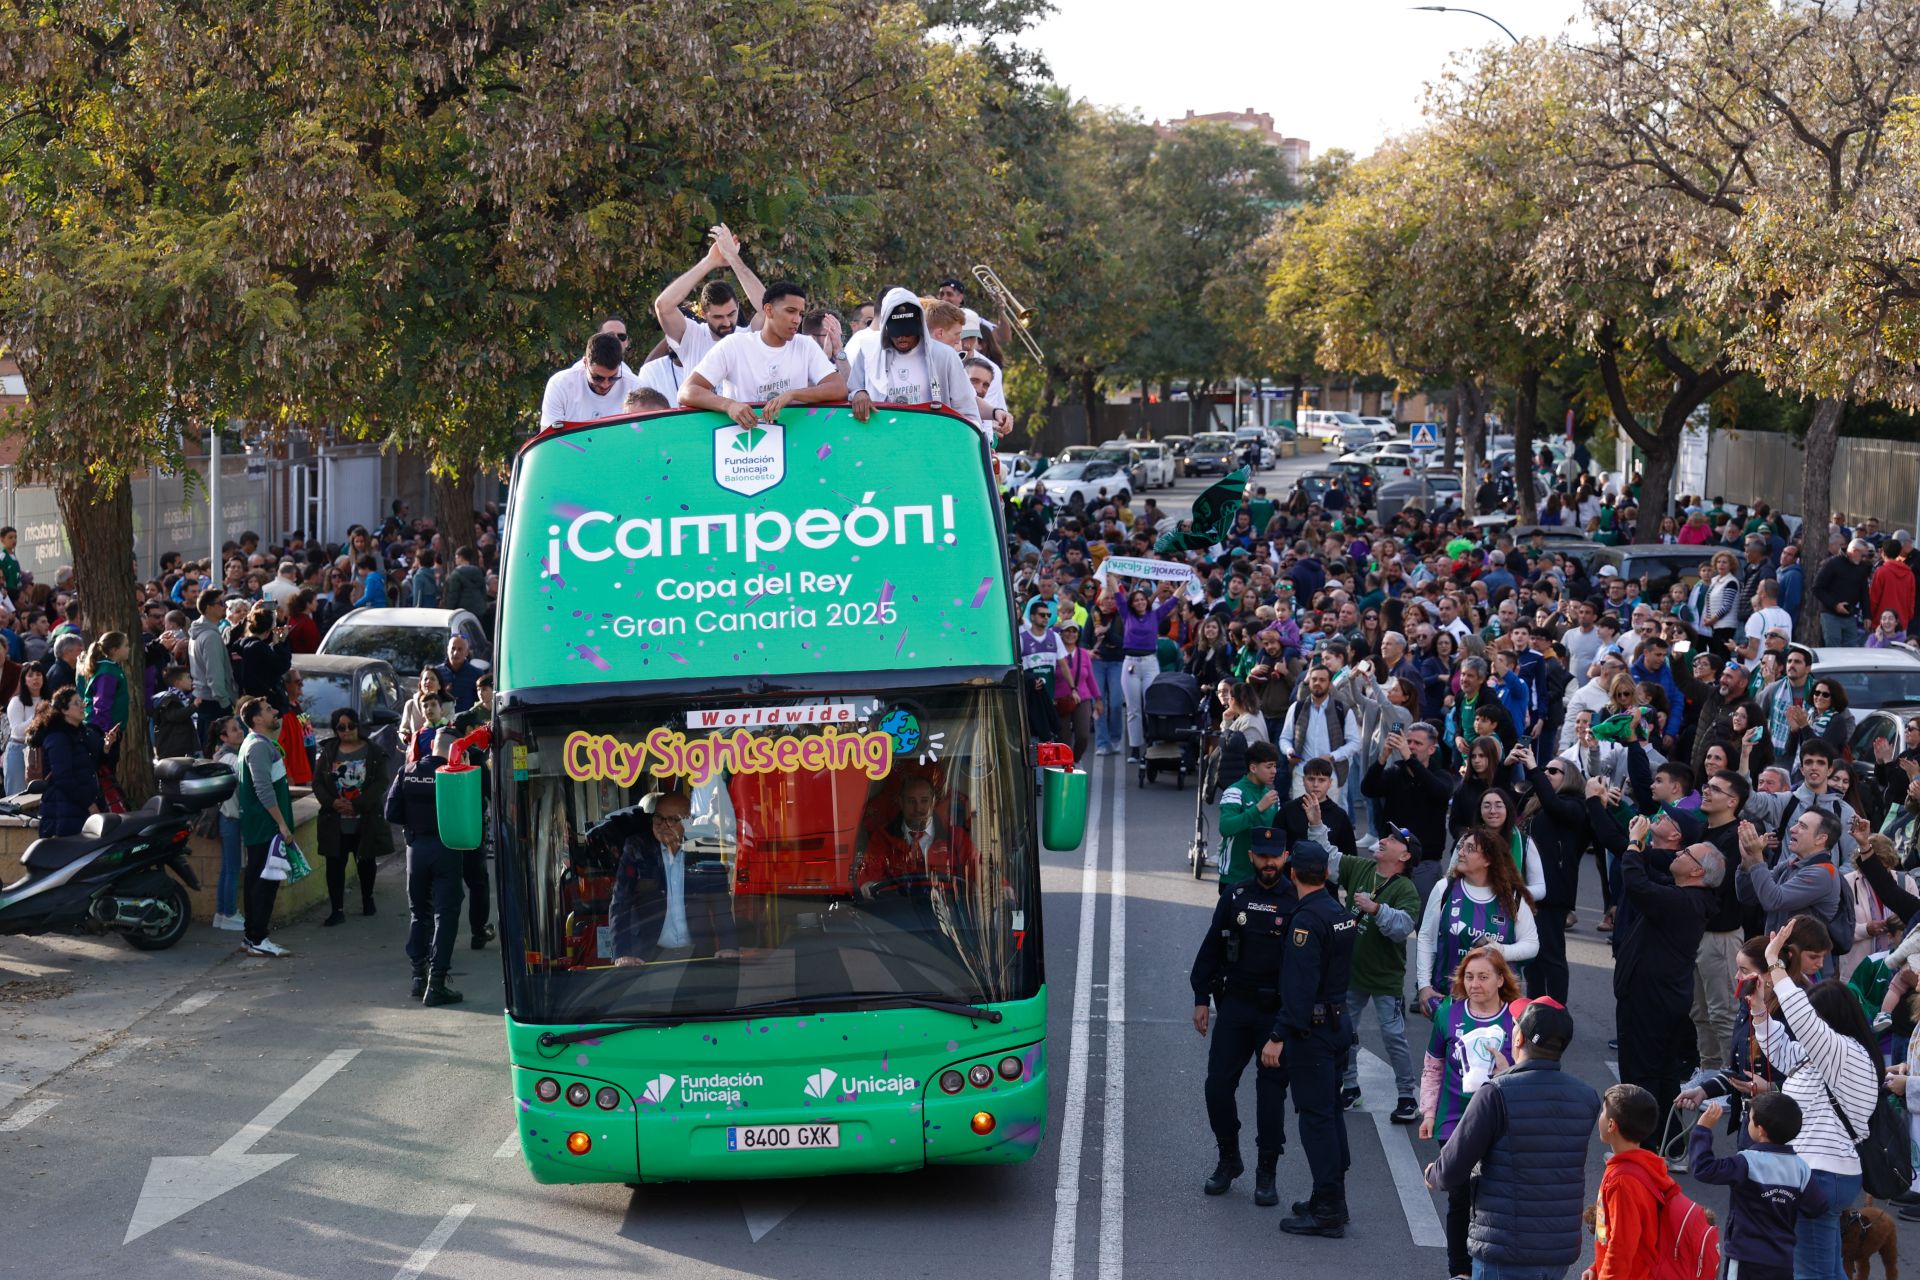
{"points": [[805, 847]]}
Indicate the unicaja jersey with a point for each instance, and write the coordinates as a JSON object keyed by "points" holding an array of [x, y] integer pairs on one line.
{"points": [[1463, 922], [1471, 1050]]}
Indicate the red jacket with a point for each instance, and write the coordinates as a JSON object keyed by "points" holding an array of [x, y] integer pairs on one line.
{"points": [[1891, 588], [1626, 1232]]}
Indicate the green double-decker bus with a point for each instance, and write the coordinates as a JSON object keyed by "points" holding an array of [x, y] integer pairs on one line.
{"points": [[763, 804]]}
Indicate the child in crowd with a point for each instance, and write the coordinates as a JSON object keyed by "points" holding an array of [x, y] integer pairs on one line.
{"points": [[1626, 1230], [1771, 1186], [172, 712]]}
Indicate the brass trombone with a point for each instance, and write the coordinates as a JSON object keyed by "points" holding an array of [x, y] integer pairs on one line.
{"points": [[1018, 317]]}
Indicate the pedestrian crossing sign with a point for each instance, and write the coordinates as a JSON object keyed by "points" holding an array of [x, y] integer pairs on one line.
{"points": [[1425, 435]]}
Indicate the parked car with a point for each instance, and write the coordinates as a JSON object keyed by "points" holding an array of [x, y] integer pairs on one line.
{"points": [[1880, 724], [1128, 458], [1383, 428], [1316, 483], [1178, 446], [1261, 436], [1351, 438], [1092, 479], [1076, 453], [1212, 454], [1015, 469], [1327, 424], [1358, 479], [330, 681], [1661, 563], [1387, 463], [406, 639], [1873, 678], [1158, 463]]}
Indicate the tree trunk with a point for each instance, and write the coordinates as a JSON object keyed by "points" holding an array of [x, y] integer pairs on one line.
{"points": [[1298, 388], [99, 522], [1473, 454], [1526, 407], [1816, 507], [1450, 458], [453, 507], [1656, 483], [1087, 394]]}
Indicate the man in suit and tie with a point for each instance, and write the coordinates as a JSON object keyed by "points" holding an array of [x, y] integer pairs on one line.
{"points": [[916, 842], [659, 912]]}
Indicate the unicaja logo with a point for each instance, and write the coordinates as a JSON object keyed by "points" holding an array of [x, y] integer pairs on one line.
{"points": [[658, 1089], [820, 1083], [749, 460]]}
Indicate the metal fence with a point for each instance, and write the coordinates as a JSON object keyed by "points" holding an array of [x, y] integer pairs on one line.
{"points": [[1870, 477]]}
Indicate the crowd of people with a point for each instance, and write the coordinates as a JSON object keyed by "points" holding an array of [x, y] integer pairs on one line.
{"points": [[218, 643], [1463, 719]]}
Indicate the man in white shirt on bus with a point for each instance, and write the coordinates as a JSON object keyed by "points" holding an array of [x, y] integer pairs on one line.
{"points": [[970, 333], [907, 366], [719, 307], [775, 365], [596, 387]]}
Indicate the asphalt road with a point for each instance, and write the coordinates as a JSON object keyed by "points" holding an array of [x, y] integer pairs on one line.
{"points": [[207, 1115]]}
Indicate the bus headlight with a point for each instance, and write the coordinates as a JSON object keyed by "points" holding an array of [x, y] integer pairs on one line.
{"points": [[547, 1089], [952, 1081], [1010, 1068], [980, 1074], [577, 1094], [608, 1098]]}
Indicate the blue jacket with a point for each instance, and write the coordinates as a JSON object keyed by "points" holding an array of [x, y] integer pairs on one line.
{"points": [[1676, 704], [1771, 1188], [1793, 582], [1529, 1129], [73, 757]]}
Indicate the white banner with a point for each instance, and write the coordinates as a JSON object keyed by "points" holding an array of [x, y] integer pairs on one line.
{"points": [[1137, 567]]}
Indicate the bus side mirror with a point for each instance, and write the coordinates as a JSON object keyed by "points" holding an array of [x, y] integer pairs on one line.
{"points": [[1063, 808], [456, 802]]}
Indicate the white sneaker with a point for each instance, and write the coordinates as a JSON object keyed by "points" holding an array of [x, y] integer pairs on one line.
{"points": [[228, 922], [267, 947]]}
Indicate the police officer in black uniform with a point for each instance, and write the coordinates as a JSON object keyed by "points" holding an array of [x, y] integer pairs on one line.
{"points": [[1312, 1034], [433, 876], [1238, 968]]}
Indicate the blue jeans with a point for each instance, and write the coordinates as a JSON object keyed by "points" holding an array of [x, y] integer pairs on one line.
{"points": [[1509, 1271], [1839, 632], [1111, 722], [1816, 1241], [16, 767], [1392, 1013], [226, 897]]}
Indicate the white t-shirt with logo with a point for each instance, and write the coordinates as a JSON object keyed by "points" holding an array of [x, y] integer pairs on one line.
{"points": [[743, 367], [894, 378], [570, 398], [695, 341]]}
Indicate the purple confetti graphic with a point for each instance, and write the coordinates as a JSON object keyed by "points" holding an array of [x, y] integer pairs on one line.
{"points": [[571, 445], [886, 593], [677, 658], [567, 510], [903, 641], [556, 579], [980, 596], [824, 452], [592, 655]]}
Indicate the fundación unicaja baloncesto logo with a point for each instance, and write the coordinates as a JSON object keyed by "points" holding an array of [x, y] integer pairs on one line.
{"points": [[658, 1089], [820, 1083], [749, 460]]}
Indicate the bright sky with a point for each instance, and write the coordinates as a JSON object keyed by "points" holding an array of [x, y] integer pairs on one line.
{"points": [[1339, 73]]}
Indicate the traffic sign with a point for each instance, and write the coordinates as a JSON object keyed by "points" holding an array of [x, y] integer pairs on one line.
{"points": [[1425, 435]]}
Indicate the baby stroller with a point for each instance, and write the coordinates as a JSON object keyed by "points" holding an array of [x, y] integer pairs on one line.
{"points": [[1175, 722]]}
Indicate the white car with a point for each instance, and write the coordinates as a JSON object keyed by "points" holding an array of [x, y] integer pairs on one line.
{"points": [[1014, 469], [1388, 464], [407, 639], [1383, 428], [1158, 460], [1094, 479], [1262, 436]]}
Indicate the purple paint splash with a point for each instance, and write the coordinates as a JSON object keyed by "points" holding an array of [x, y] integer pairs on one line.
{"points": [[980, 596], [677, 658], [886, 593], [592, 655], [902, 644], [824, 452]]}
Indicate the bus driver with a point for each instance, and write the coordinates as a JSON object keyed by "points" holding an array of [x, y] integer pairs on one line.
{"points": [[917, 842], [652, 916]]}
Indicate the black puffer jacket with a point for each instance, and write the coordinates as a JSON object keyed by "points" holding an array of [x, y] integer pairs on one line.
{"points": [[1559, 831]]}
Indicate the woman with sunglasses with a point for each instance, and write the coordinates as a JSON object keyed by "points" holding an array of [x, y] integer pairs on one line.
{"points": [[350, 782], [1555, 821], [1825, 716]]}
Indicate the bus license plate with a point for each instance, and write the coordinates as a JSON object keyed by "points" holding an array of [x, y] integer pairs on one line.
{"points": [[782, 1137]]}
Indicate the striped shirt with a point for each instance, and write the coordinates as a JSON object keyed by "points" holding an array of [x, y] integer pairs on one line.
{"points": [[1814, 1060]]}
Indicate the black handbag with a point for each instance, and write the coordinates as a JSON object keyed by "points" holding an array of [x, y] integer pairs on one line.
{"points": [[1886, 1156]]}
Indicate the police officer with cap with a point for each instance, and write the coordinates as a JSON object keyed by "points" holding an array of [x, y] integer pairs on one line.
{"points": [[434, 875], [1238, 968], [1312, 1034]]}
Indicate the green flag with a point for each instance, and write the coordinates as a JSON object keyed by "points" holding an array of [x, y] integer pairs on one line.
{"points": [[1213, 513]]}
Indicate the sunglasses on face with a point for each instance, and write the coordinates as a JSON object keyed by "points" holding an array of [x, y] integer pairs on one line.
{"points": [[1823, 693]]}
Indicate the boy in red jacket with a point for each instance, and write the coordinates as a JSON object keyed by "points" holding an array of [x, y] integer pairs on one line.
{"points": [[1626, 1231]]}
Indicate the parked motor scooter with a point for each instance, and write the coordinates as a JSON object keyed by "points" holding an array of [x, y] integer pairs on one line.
{"points": [[112, 877]]}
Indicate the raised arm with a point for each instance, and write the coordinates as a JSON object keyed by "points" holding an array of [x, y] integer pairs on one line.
{"points": [[727, 245], [666, 307]]}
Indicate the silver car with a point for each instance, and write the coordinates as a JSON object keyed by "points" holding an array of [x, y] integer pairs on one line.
{"points": [[407, 639]]}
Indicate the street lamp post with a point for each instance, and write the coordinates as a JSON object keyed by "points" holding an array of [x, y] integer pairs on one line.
{"points": [[1445, 8]]}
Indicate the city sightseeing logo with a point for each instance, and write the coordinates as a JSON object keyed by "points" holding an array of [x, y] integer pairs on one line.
{"points": [[658, 1089], [749, 460], [822, 1084]]}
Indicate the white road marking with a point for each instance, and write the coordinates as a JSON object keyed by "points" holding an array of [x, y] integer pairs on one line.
{"points": [[177, 1185], [764, 1210], [27, 1113], [1613, 1065], [436, 1241], [1409, 1180], [194, 1003], [1073, 1114], [509, 1148], [1113, 1163], [119, 1052]]}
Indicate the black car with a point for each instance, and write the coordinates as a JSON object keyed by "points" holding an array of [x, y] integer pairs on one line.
{"points": [[1212, 454], [1357, 478]]}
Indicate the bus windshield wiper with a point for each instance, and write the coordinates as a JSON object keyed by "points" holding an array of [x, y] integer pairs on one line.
{"points": [[874, 999], [794, 1004]]}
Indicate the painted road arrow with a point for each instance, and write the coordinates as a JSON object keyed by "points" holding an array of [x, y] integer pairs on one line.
{"points": [[180, 1184]]}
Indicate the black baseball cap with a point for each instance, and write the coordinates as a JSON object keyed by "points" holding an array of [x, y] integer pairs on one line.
{"points": [[1405, 837], [1545, 1023], [953, 282]]}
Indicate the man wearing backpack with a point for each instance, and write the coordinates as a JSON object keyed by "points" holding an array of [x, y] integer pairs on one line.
{"points": [[1804, 882]]}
